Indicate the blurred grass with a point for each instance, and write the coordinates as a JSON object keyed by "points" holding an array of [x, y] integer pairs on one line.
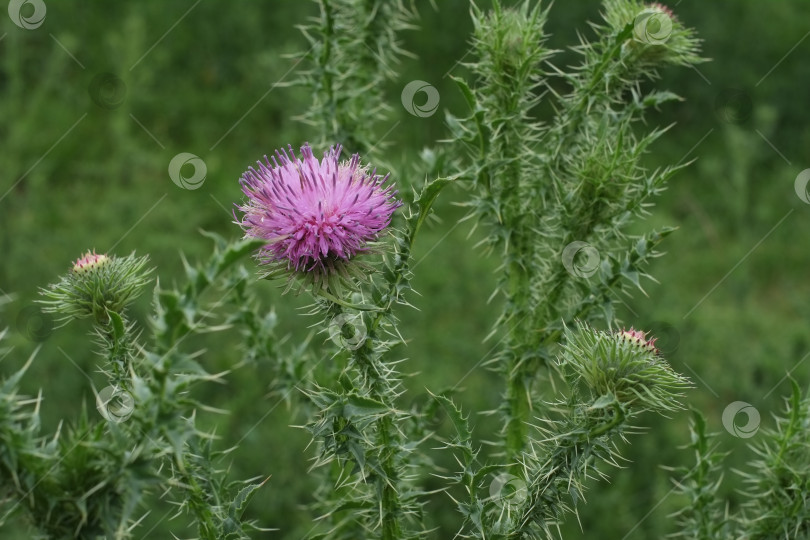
{"points": [[202, 78]]}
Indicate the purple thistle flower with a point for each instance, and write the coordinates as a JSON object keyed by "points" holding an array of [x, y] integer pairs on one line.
{"points": [[315, 216]]}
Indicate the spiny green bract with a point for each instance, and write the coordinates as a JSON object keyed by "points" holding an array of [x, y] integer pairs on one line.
{"points": [[94, 289], [607, 364]]}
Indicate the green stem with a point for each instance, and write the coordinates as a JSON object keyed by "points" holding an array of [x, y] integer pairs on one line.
{"points": [[386, 483], [566, 467], [522, 317], [330, 124], [517, 373], [391, 528], [595, 82], [618, 418]]}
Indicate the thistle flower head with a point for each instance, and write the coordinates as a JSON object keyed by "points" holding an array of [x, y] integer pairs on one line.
{"points": [[315, 216], [97, 284]]}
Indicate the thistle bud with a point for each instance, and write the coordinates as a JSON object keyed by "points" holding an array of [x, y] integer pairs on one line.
{"points": [[96, 285], [623, 364], [656, 35]]}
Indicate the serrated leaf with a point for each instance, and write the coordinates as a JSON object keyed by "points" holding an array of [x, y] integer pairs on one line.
{"points": [[455, 415], [425, 201], [119, 330], [361, 407], [466, 91], [237, 250], [242, 499], [633, 277]]}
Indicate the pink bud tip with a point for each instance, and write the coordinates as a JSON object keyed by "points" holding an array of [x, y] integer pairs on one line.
{"points": [[90, 261]]}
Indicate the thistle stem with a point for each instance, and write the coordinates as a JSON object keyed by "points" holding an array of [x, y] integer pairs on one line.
{"points": [[563, 463], [379, 389]]}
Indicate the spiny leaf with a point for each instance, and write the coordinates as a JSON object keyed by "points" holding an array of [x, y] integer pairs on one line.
{"points": [[243, 498], [424, 201]]}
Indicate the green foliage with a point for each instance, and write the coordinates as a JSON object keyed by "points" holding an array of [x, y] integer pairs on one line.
{"points": [[778, 483], [354, 46], [703, 515], [92, 479], [776, 492], [574, 187], [550, 155], [611, 381]]}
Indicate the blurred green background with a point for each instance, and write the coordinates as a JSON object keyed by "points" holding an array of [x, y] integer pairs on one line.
{"points": [[96, 101]]}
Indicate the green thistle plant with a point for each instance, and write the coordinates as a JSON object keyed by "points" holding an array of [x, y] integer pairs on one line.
{"points": [[92, 478], [558, 199], [778, 480], [612, 378], [703, 517], [354, 45]]}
